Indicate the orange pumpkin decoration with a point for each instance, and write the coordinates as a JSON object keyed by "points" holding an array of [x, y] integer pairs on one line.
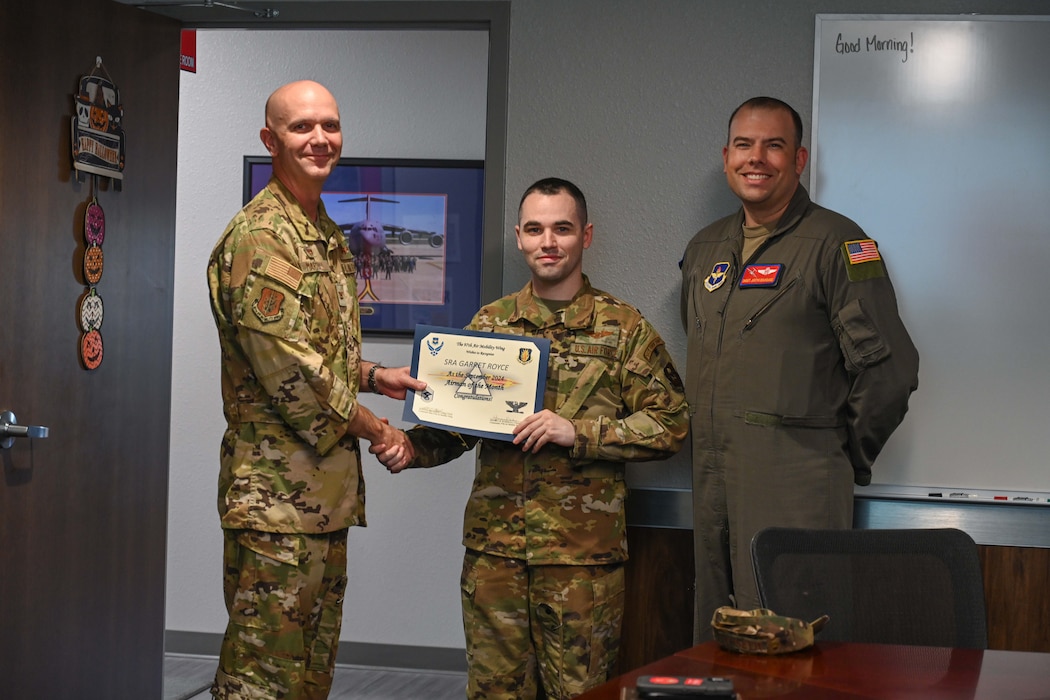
{"points": [[91, 349], [99, 117], [93, 260]]}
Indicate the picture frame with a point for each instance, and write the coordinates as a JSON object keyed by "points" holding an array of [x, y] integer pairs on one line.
{"points": [[416, 230]]}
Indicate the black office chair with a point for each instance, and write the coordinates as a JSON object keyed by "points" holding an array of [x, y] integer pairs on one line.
{"points": [[919, 587]]}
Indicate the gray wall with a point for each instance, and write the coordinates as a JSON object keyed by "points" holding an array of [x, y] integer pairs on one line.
{"points": [[630, 99]]}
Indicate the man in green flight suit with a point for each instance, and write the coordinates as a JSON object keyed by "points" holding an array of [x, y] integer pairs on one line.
{"points": [[544, 529], [284, 298], [799, 365]]}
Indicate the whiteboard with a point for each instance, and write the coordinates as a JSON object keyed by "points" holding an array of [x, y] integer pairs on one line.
{"points": [[933, 134]]}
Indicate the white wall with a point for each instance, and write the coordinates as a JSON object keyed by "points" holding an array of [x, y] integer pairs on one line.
{"points": [[402, 94]]}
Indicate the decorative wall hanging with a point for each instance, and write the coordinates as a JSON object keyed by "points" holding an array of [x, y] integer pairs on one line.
{"points": [[90, 309], [98, 151], [98, 127]]}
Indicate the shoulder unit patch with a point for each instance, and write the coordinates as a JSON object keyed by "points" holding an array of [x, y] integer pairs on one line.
{"points": [[269, 306]]}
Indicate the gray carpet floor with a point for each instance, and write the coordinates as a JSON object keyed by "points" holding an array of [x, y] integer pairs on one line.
{"points": [[189, 677]]}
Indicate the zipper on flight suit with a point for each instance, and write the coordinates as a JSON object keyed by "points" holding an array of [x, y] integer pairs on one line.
{"points": [[765, 307]]}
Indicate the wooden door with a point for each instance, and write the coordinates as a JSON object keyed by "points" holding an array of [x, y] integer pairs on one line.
{"points": [[83, 512]]}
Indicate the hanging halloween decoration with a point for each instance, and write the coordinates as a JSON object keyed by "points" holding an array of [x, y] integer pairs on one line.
{"points": [[98, 151], [91, 311], [94, 224], [90, 305], [98, 126], [91, 349], [93, 264]]}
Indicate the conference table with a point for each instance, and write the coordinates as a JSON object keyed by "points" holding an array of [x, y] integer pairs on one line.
{"points": [[853, 671]]}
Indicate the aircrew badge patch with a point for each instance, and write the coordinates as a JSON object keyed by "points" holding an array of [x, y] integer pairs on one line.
{"points": [[761, 275], [268, 307], [717, 277]]}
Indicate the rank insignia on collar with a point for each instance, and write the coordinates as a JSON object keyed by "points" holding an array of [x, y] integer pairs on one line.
{"points": [[717, 277], [761, 275]]}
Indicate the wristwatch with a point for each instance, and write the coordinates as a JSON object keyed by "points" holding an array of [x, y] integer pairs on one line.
{"points": [[372, 378]]}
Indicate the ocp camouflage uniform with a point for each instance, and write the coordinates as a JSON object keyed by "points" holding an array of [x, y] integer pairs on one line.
{"points": [[284, 300], [546, 533]]}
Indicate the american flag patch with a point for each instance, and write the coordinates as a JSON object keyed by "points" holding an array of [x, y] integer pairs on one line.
{"points": [[862, 251], [284, 272]]}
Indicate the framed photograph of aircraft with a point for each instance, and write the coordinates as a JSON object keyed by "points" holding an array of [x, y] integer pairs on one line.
{"points": [[415, 229]]}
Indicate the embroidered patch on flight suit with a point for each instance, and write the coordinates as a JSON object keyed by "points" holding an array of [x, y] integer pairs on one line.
{"points": [[269, 306], [717, 277], [761, 275], [861, 251], [862, 259]]}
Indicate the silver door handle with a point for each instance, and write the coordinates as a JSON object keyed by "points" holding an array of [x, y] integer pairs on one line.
{"points": [[9, 431]]}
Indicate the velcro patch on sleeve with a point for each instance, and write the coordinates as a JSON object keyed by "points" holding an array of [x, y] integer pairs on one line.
{"points": [[861, 251], [282, 271], [269, 305], [862, 260], [651, 347], [672, 376]]}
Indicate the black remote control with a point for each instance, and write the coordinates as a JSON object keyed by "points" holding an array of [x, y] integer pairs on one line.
{"points": [[685, 687]]}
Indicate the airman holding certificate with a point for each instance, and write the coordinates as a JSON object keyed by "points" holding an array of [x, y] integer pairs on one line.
{"points": [[544, 528]]}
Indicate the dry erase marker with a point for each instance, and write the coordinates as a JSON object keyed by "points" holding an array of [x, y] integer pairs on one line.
{"points": [[960, 494], [935, 495]]}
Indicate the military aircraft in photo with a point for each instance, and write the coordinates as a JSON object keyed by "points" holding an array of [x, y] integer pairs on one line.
{"points": [[370, 235]]}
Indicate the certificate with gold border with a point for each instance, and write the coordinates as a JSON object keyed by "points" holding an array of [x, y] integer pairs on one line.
{"points": [[478, 383]]}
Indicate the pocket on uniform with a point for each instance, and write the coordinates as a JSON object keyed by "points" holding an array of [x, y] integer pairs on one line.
{"points": [[265, 562], [859, 338], [272, 545], [587, 630], [328, 626], [607, 620], [468, 582]]}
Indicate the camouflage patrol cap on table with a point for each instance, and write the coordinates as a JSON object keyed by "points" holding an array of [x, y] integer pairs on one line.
{"points": [[762, 631]]}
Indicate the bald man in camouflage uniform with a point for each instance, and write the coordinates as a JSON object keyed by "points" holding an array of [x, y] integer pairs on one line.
{"points": [[542, 582], [284, 300]]}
